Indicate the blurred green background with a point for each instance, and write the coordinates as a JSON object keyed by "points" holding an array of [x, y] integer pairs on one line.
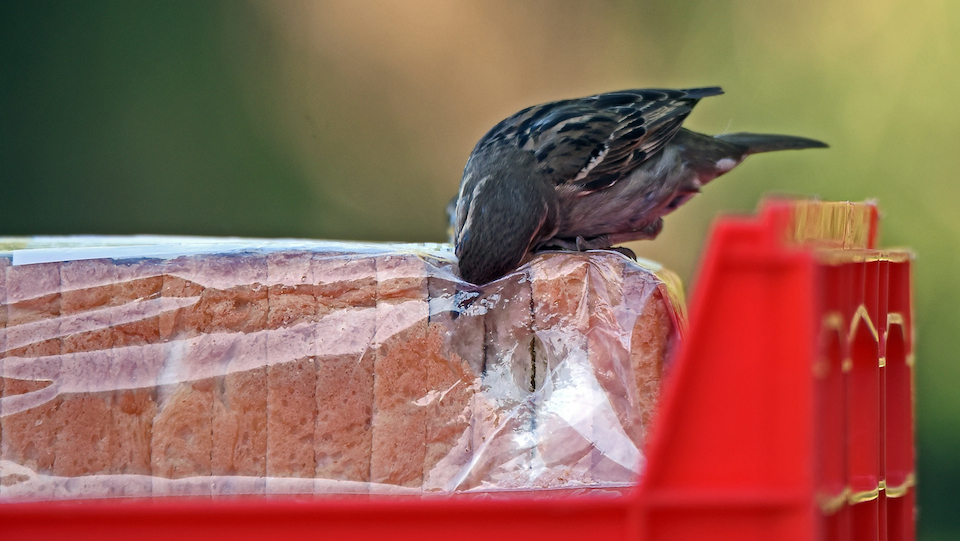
{"points": [[353, 120]]}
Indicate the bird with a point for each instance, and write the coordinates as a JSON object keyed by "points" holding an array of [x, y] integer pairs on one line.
{"points": [[588, 173]]}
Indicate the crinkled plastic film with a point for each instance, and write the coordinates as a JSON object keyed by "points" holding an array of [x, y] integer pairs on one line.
{"points": [[154, 366]]}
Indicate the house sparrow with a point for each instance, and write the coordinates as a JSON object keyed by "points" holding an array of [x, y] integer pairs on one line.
{"points": [[588, 173]]}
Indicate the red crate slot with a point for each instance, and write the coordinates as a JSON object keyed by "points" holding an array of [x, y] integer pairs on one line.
{"points": [[787, 414]]}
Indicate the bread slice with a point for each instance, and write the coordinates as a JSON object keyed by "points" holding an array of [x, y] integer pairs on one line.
{"points": [[31, 365], [201, 413], [454, 362], [137, 361], [562, 289], [84, 431], [346, 293], [291, 372], [343, 438], [400, 379], [138, 292], [503, 404], [4, 263], [240, 411], [182, 435], [291, 402], [136, 371], [291, 292], [655, 332]]}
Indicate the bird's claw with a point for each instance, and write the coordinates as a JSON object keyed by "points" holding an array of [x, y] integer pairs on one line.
{"points": [[623, 250]]}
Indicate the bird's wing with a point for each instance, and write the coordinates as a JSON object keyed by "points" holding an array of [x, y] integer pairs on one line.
{"points": [[593, 142]]}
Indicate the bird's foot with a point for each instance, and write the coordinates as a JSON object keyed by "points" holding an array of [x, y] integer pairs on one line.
{"points": [[581, 244], [624, 251]]}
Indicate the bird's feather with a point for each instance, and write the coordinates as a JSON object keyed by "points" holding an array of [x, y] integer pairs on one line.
{"points": [[588, 173], [593, 142]]}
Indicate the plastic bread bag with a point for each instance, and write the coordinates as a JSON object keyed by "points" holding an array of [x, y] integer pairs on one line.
{"points": [[161, 366]]}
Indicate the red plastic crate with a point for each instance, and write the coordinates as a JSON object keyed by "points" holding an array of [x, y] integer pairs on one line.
{"points": [[788, 414]]}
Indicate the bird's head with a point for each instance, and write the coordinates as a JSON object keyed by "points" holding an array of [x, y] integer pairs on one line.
{"points": [[501, 214]]}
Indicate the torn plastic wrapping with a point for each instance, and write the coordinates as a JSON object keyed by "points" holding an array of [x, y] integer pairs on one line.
{"points": [[209, 367]]}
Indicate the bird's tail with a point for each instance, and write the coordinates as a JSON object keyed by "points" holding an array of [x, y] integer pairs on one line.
{"points": [[760, 142]]}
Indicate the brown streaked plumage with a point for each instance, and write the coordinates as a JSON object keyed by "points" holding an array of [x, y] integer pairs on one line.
{"points": [[588, 173]]}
